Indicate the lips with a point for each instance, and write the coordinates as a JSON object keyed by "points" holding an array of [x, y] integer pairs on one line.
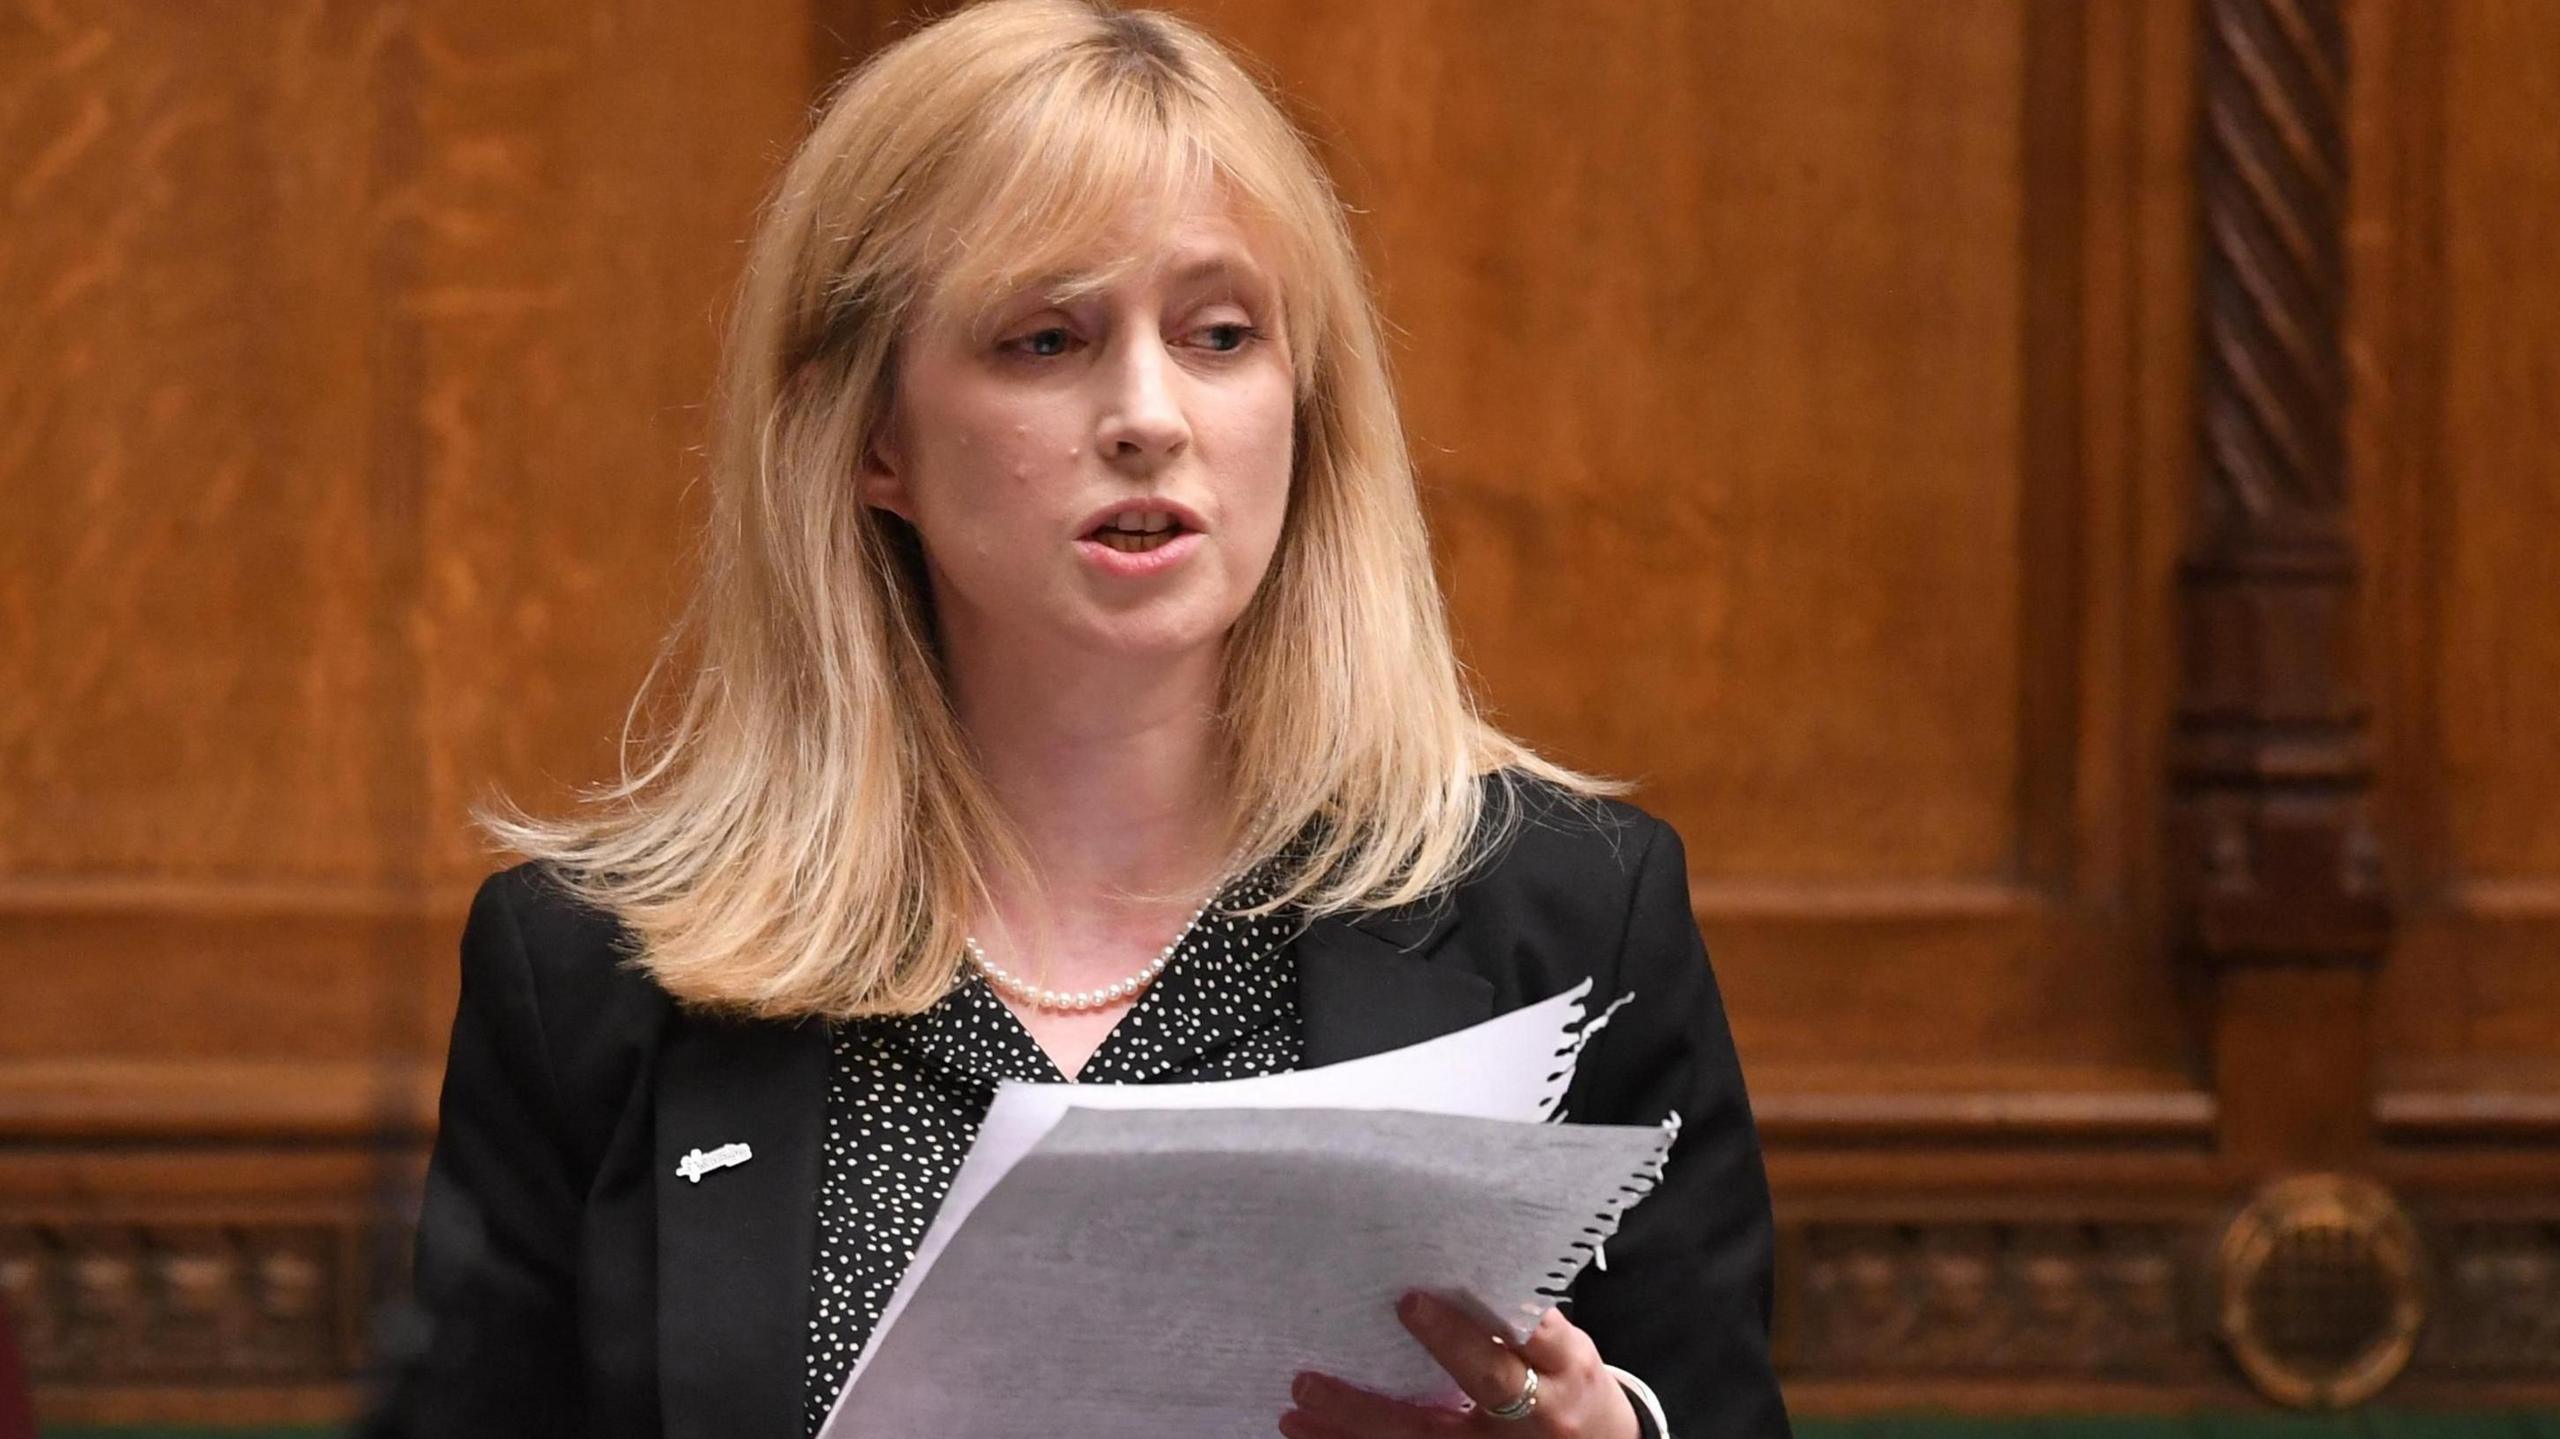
{"points": [[1145, 515], [1149, 559]]}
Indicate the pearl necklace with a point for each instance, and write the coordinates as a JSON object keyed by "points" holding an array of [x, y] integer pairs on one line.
{"points": [[1075, 1001]]}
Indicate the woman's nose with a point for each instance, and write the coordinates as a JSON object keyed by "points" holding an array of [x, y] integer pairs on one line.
{"points": [[1142, 417]]}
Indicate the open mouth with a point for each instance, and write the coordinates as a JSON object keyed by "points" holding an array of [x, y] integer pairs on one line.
{"points": [[1136, 531]]}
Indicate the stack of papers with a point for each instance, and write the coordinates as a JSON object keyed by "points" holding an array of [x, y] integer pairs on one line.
{"points": [[1164, 1259]]}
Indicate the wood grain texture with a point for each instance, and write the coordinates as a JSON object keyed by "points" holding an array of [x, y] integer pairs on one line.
{"points": [[364, 368], [190, 571], [2459, 335], [1656, 311], [353, 380], [588, 175], [1743, 349]]}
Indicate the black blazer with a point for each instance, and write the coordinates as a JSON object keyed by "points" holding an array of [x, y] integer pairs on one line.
{"points": [[570, 1283]]}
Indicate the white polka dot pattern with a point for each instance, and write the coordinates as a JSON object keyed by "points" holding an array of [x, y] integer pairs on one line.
{"points": [[905, 1097]]}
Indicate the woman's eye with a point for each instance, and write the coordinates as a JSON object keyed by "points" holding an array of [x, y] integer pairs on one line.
{"points": [[1044, 344], [1228, 338]]}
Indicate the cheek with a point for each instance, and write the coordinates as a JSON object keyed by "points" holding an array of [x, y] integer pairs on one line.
{"points": [[1249, 432], [1275, 462], [991, 472]]}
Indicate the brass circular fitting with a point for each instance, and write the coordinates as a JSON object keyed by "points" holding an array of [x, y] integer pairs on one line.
{"points": [[2323, 1290]]}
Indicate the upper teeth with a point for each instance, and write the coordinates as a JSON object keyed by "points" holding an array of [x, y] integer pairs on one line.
{"points": [[1141, 522]]}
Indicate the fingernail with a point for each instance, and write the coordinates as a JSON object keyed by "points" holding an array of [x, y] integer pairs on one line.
{"points": [[1302, 1387], [1409, 1306]]}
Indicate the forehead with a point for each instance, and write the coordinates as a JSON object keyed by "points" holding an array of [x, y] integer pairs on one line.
{"points": [[1198, 238], [1199, 249]]}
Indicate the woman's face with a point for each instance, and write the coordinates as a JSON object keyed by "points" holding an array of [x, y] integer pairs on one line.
{"points": [[1107, 474]]}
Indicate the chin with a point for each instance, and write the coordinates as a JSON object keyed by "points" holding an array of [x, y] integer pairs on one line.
{"points": [[1152, 643], [1167, 635]]}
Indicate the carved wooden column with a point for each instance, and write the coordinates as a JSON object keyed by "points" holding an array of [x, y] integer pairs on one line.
{"points": [[2280, 885], [2281, 889]]}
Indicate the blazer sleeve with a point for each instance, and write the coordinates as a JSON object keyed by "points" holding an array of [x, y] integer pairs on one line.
{"points": [[1684, 1301], [490, 1346]]}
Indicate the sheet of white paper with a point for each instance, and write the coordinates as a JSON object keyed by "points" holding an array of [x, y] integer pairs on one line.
{"points": [[1512, 1066], [1161, 1258], [1239, 1247]]}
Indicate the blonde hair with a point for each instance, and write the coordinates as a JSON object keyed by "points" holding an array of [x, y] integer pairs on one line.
{"points": [[810, 834]]}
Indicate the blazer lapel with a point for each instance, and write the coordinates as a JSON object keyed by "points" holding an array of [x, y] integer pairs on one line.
{"points": [[735, 1247], [1372, 985]]}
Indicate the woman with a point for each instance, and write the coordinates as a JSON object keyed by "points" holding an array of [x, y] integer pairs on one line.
{"points": [[1069, 697]]}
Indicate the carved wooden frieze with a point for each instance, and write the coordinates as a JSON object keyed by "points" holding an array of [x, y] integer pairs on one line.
{"points": [[2268, 1294], [2499, 1309], [103, 1303], [2036, 1299]]}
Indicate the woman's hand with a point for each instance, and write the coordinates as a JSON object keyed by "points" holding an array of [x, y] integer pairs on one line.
{"points": [[1577, 1397]]}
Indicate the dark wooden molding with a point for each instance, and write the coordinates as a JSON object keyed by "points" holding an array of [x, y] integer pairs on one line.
{"points": [[2272, 758], [101, 1100], [2272, 176], [2452, 1115], [1937, 1116], [2277, 870]]}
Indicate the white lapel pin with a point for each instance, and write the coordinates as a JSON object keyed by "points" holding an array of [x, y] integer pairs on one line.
{"points": [[698, 1163]]}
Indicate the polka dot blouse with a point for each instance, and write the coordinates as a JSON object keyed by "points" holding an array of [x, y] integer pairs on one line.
{"points": [[905, 1097]]}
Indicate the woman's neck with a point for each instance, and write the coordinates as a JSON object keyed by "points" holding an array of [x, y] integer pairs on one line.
{"points": [[1111, 774]]}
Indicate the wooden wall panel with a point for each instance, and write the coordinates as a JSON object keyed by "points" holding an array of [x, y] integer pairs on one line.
{"points": [[1752, 483], [364, 369], [353, 375], [589, 176], [190, 567], [2464, 310], [2501, 490]]}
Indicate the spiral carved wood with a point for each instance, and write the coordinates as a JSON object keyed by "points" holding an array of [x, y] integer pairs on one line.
{"points": [[2271, 174], [2275, 843]]}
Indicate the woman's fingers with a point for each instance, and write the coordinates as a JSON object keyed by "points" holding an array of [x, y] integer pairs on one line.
{"points": [[1558, 1347], [1492, 1375], [1327, 1408], [1574, 1393], [1300, 1424]]}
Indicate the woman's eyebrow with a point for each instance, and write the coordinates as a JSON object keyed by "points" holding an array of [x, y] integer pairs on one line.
{"points": [[1238, 270], [1187, 272]]}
